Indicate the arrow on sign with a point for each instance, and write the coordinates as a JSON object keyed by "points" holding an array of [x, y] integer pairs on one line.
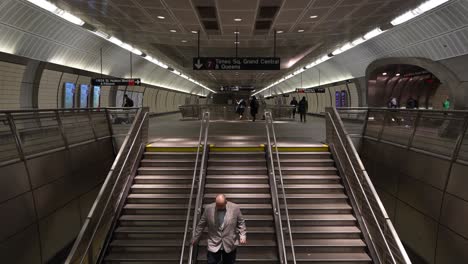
{"points": [[137, 82], [198, 64]]}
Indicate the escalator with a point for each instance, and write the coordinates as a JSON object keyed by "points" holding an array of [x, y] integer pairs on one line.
{"points": [[151, 226], [323, 225], [242, 175]]}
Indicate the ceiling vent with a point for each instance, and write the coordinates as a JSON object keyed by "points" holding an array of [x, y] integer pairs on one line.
{"points": [[263, 25], [210, 25], [206, 12], [267, 12]]}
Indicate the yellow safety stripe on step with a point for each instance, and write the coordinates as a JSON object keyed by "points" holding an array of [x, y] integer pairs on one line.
{"points": [[260, 148], [150, 148], [319, 148]]}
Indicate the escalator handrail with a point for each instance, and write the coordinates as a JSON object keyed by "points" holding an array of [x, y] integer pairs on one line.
{"points": [[277, 209], [269, 119], [204, 124], [388, 223], [135, 132]]}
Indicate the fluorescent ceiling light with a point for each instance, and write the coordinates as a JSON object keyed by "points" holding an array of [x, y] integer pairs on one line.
{"points": [[45, 5], [238, 19], [397, 75], [279, 31], [314, 16], [116, 41], [373, 33], [384, 74], [183, 41], [71, 18], [173, 30], [101, 34], [194, 31], [161, 17], [344, 48], [176, 72], [424, 7], [358, 41], [57, 11], [300, 30], [299, 71]]}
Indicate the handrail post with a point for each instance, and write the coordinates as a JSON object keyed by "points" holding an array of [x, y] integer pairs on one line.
{"points": [[277, 209], [62, 129]]}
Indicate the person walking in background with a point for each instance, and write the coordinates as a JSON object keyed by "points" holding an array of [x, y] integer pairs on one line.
{"points": [[412, 103], [127, 102], [241, 108], [254, 108], [295, 104], [303, 108], [393, 103], [446, 104], [226, 230]]}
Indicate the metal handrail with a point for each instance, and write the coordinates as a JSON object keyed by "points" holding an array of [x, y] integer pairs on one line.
{"points": [[82, 250], [277, 209], [351, 155], [269, 121], [204, 126]]}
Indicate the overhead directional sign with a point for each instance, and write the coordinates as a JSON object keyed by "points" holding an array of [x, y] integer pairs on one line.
{"points": [[310, 90], [237, 64], [116, 82]]}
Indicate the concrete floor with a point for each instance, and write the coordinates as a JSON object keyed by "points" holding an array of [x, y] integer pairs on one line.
{"points": [[169, 129]]}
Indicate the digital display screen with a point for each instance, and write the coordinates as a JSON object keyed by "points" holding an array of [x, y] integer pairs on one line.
{"points": [[96, 96], [344, 98], [338, 99], [84, 91], [69, 95]]}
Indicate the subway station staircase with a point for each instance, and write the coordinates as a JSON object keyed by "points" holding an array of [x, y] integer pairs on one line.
{"points": [[324, 227], [242, 175], [150, 228]]}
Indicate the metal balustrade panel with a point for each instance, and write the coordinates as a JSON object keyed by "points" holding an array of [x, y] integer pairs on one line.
{"points": [[399, 126], [438, 132], [8, 148], [77, 127], [38, 132], [375, 122]]}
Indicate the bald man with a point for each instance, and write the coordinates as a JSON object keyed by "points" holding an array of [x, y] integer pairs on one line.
{"points": [[226, 230]]}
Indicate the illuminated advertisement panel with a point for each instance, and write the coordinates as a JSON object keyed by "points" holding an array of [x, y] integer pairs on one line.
{"points": [[69, 95]]}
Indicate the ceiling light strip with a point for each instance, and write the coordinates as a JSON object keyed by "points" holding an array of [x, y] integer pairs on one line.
{"points": [[423, 8], [44, 4]]}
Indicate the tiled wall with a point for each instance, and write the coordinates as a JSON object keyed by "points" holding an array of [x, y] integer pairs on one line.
{"points": [[318, 102], [11, 76], [51, 87], [43, 201], [426, 198]]}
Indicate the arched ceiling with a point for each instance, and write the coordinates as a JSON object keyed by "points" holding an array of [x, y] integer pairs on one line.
{"points": [[437, 35], [139, 23]]}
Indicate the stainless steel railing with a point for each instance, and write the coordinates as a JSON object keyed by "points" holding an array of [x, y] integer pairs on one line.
{"points": [[442, 134], [26, 134], [94, 234], [269, 124], [228, 112], [385, 244], [204, 128]]}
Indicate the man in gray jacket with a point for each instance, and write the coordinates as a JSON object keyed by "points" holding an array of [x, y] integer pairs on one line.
{"points": [[226, 229]]}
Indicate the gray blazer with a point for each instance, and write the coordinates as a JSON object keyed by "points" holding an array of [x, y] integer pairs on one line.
{"points": [[228, 233]]}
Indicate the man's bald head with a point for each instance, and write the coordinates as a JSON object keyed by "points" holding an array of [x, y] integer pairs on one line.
{"points": [[221, 201]]}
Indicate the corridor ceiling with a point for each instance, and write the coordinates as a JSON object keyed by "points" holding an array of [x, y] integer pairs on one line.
{"points": [[305, 29]]}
